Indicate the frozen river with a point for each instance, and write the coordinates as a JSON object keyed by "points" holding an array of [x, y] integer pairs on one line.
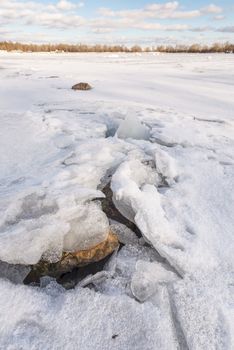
{"points": [[162, 128]]}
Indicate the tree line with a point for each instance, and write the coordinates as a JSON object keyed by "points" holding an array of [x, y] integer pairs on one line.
{"points": [[194, 48]]}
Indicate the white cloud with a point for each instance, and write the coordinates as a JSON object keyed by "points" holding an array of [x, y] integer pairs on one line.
{"points": [[169, 10], [219, 17], [67, 5], [37, 13], [212, 9]]}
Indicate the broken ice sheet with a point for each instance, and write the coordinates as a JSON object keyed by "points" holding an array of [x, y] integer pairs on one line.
{"points": [[147, 277]]}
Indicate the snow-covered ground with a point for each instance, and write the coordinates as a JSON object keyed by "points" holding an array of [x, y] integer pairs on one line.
{"points": [[161, 128]]}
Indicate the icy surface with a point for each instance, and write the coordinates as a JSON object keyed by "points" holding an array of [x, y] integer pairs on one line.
{"points": [[160, 129], [147, 278]]}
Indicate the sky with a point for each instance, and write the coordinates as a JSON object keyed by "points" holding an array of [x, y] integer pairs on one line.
{"points": [[124, 22]]}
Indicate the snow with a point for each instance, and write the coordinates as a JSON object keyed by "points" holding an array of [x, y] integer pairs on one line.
{"points": [[160, 129], [147, 277]]}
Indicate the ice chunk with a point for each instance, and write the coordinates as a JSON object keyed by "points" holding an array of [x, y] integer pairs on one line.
{"points": [[141, 202], [125, 234], [89, 228], [129, 176], [147, 277], [28, 241], [97, 278], [132, 128], [165, 165]]}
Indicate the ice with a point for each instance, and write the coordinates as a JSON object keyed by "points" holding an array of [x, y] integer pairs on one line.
{"points": [[147, 277], [131, 127], [166, 166], [97, 278], [140, 201], [129, 177], [125, 235], [14, 273], [47, 225], [26, 243], [89, 228]]}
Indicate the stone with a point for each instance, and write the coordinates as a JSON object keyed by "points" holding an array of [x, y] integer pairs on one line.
{"points": [[82, 86], [71, 260], [85, 257]]}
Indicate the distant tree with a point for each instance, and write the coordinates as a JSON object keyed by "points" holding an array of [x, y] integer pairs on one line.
{"points": [[194, 48], [136, 48]]}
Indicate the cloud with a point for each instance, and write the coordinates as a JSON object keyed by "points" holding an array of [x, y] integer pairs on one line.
{"points": [[219, 17], [67, 5], [58, 15], [228, 29], [169, 10], [201, 29], [211, 9]]}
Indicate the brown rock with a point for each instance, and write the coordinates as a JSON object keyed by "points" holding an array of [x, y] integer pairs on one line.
{"points": [[97, 253], [81, 86], [69, 260]]}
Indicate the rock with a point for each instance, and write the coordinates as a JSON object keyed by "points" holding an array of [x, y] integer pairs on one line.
{"points": [[71, 260], [85, 257], [82, 86]]}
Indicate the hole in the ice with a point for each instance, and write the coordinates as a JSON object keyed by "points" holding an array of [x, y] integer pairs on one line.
{"points": [[112, 213], [110, 131], [69, 279]]}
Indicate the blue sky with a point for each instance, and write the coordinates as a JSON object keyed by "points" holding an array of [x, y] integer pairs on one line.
{"points": [[117, 22]]}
